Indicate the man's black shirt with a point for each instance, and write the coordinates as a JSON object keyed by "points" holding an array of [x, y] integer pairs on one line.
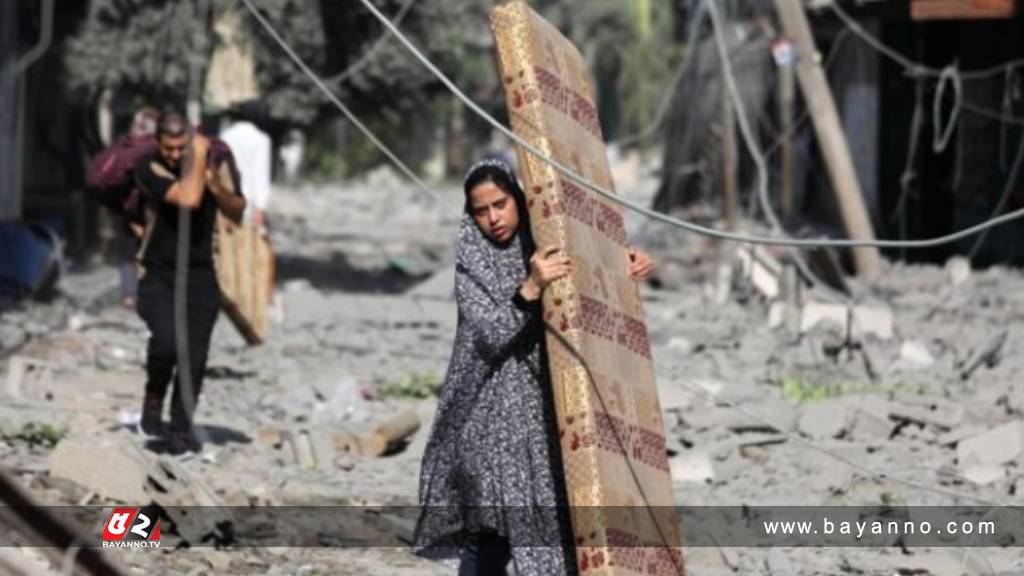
{"points": [[160, 244]]}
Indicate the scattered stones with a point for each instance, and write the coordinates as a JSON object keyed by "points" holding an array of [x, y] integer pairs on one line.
{"points": [[825, 419]]}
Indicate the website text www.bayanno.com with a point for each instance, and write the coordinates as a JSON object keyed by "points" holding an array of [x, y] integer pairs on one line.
{"points": [[860, 528]]}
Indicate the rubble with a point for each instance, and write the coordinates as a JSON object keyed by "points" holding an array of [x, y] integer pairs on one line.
{"points": [[105, 466], [996, 446], [692, 467], [876, 320], [290, 421], [826, 419]]}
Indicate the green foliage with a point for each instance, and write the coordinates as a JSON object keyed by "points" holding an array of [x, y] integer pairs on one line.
{"points": [[44, 435], [146, 48], [797, 389], [413, 386]]}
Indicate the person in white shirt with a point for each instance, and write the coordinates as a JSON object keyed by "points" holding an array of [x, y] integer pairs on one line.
{"points": [[253, 151]]}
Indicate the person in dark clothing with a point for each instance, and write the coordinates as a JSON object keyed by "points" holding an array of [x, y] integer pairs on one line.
{"points": [[492, 488], [176, 181]]}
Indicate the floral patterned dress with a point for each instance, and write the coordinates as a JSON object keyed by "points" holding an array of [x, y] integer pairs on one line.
{"points": [[492, 462]]}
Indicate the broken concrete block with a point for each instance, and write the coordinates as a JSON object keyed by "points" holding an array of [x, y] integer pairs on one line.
{"points": [[983, 474], [875, 320], [299, 449], [103, 465], [915, 353], [776, 315], [957, 434], [997, 446], [749, 442], [680, 345], [673, 396], [988, 354], [761, 268], [826, 419], [197, 512], [692, 467], [959, 270], [322, 447], [924, 411], [781, 414], [870, 427]]}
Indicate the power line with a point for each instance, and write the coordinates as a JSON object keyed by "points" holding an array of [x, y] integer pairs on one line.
{"points": [[911, 66], [611, 196], [694, 227]]}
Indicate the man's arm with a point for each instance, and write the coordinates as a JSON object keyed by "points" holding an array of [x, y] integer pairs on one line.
{"points": [[188, 191], [230, 204]]}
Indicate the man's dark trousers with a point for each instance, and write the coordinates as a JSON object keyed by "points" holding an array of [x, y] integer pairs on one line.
{"points": [[156, 307]]}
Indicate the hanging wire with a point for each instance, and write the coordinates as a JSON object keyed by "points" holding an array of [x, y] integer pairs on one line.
{"points": [[912, 67], [940, 134], [611, 196], [336, 101], [371, 52]]}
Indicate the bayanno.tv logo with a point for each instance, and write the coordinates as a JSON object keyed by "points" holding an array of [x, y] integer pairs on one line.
{"points": [[131, 528]]}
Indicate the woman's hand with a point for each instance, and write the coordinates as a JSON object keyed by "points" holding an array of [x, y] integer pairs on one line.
{"points": [[546, 265], [641, 267]]}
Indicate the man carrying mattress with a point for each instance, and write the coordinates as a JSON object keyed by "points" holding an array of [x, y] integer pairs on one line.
{"points": [[178, 182]]}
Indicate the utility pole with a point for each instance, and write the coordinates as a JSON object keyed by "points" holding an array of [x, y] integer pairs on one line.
{"points": [[831, 138]]}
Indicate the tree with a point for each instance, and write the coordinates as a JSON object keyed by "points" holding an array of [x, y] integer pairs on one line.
{"points": [[145, 48]]}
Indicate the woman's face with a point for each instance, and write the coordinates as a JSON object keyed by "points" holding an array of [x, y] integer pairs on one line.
{"points": [[494, 211]]}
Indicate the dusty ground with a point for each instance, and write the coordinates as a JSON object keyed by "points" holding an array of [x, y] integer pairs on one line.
{"points": [[756, 415]]}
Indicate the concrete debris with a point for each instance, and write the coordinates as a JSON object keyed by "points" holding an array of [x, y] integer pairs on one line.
{"points": [[199, 515], [772, 415], [927, 411], [776, 315], [104, 465], [692, 467], [870, 423], [953, 437], [875, 320], [680, 345], [825, 419], [982, 474], [298, 449], [988, 354], [996, 446], [761, 269], [719, 290], [959, 270], [293, 422], [18, 367], [915, 354]]}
